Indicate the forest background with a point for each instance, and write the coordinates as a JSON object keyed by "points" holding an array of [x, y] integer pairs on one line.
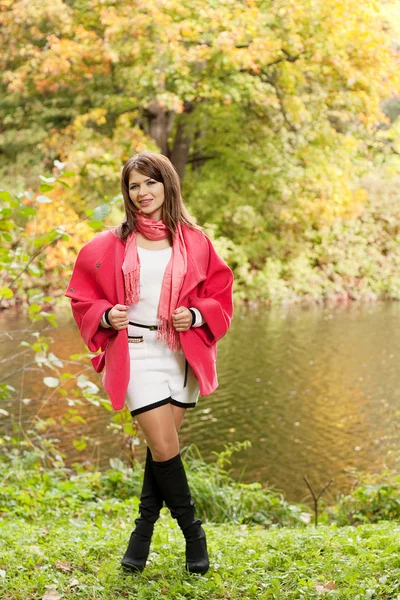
{"points": [[280, 117]]}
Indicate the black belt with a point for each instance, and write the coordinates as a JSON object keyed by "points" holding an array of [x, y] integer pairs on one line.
{"points": [[151, 327]]}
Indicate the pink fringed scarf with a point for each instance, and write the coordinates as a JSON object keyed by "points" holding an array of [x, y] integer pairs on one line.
{"points": [[173, 277]]}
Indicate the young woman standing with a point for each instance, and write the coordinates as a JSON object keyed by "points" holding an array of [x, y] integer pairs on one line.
{"points": [[155, 297]]}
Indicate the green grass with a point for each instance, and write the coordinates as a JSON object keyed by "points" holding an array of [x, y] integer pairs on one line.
{"points": [[247, 562], [64, 531]]}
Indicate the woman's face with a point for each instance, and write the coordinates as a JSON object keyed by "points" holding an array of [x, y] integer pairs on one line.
{"points": [[147, 194]]}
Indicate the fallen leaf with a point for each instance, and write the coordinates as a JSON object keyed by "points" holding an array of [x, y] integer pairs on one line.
{"points": [[325, 587], [73, 582], [51, 595], [35, 548], [63, 566]]}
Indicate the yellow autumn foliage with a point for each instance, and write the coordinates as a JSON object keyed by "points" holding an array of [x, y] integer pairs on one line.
{"points": [[61, 256]]}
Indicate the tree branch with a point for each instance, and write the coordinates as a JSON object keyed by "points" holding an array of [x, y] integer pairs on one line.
{"points": [[316, 498]]}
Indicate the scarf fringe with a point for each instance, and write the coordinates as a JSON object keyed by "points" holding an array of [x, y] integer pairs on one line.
{"points": [[168, 334], [132, 286]]}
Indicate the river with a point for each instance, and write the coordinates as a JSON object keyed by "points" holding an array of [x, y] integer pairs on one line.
{"points": [[315, 390]]}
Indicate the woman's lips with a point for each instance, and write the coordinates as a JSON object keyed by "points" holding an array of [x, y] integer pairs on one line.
{"points": [[145, 202]]}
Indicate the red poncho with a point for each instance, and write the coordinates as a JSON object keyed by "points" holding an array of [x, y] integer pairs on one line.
{"points": [[97, 283]]}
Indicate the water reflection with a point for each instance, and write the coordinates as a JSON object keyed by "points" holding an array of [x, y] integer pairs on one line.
{"points": [[314, 389]]}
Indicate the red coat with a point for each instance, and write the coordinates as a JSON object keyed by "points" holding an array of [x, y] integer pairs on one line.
{"points": [[97, 284]]}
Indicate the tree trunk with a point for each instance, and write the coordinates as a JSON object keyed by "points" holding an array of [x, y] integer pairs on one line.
{"points": [[160, 123], [180, 151]]}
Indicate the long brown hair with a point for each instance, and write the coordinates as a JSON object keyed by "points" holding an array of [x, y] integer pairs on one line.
{"points": [[160, 168]]}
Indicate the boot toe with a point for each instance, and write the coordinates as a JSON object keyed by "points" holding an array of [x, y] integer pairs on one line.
{"points": [[133, 565], [201, 566], [138, 549]]}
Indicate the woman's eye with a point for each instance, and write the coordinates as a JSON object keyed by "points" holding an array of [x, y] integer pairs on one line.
{"points": [[133, 186]]}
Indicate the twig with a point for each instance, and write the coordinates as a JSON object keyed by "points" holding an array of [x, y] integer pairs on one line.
{"points": [[316, 498], [42, 249]]}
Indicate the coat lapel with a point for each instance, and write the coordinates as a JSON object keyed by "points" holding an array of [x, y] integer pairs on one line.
{"points": [[191, 279], [119, 278]]}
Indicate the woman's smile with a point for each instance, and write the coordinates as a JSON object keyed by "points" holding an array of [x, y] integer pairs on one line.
{"points": [[139, 186]]}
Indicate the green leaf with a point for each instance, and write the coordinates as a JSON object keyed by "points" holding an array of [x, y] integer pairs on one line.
{"points": [[45, 187], [64, 184], [27, 211], [101, 212], [35, 308], [79, 444], [95, 224], [34, 270], [6, 292], [52, 319], [6, 196], [80, 356], [45, 239], [38, 347], [51, 382]]}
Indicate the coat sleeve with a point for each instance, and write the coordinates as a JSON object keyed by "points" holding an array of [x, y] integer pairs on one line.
{"points": [[88, 303], [214, 298]]}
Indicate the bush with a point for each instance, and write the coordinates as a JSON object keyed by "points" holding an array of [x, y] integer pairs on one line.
{"points": [[374, 498], [31, 487]]}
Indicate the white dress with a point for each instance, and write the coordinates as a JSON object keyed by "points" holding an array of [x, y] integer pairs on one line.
{"points": [[158, 375]]}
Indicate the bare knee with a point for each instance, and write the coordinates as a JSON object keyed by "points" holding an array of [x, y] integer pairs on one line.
{"points": [[160, 432], [162, 450]]}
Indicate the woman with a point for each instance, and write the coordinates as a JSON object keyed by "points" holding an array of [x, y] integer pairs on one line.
{"points": [[155, 297]]}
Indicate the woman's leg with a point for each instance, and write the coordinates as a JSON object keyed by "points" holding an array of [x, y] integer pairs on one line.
{"points": [[151, 501], [160, 430], [179, 414], [160, 427]]}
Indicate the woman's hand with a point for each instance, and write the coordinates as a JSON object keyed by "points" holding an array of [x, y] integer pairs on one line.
{"points": [[182, 319], [118, 316]]}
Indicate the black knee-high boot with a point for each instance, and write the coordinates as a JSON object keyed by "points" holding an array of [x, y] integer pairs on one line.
{"points": [[171, 478], [151, 501]]}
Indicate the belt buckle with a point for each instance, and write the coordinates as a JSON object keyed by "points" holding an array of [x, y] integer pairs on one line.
{"points": [[153, 327], [136, 339]]}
